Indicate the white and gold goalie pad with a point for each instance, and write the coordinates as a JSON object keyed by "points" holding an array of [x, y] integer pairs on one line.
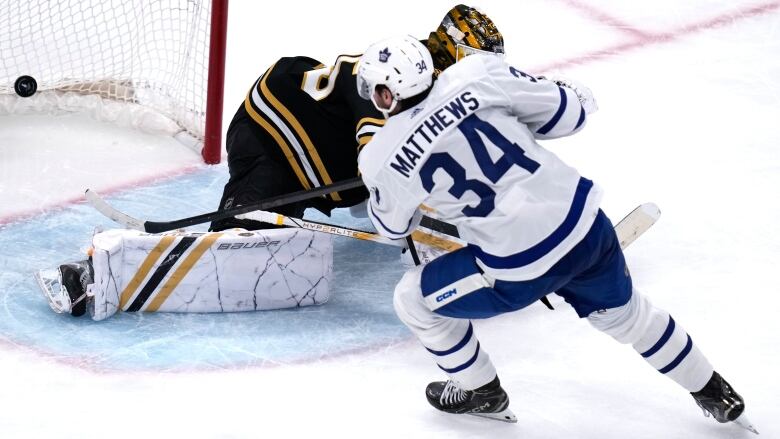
{"points": [[227, 271]]}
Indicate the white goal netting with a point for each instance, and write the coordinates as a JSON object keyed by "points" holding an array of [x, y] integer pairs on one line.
{"points": [[152, 54]]}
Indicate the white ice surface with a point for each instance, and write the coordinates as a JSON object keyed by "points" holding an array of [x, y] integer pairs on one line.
{"points": [[690, 106]]}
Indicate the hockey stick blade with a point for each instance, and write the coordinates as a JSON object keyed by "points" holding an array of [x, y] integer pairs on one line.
{"points": [[633, 225], [112, 213]]}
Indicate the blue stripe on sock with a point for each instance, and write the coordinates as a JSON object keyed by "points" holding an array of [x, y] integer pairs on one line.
{"points": [[464, 365], [662, 341], [678, 360], [457, 347]]}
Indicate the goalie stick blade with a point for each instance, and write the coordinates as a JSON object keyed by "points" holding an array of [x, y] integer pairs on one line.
{"points": [[636, 223], [110, 212]]}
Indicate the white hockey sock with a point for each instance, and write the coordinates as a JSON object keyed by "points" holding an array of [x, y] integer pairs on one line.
{"points": [[658, 339], [452, 342], [459, 354]]}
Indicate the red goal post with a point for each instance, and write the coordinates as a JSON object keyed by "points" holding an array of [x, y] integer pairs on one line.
{"points": [[156, 65]]}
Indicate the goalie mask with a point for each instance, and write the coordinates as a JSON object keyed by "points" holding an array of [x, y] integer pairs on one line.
{"points": [[462, 32]]}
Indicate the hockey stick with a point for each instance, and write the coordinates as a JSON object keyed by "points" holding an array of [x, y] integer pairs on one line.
{"points": [[163, 226], [628, 229], [333, 229], [633, 225]]}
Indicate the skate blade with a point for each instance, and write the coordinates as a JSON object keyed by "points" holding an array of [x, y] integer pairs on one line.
{"points": [[504, 416], [745, 423]]}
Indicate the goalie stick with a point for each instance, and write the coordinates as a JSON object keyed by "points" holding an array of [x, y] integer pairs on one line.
{"points": [[163, 226]]}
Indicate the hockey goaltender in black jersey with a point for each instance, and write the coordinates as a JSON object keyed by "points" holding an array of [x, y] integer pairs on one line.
{"points": [[301, 126]]}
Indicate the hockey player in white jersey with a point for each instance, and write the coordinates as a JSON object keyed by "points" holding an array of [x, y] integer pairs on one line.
{"points": [[465, 145]]}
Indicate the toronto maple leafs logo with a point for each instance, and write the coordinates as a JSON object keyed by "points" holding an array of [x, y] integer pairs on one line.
{"points": [[384, 54]]}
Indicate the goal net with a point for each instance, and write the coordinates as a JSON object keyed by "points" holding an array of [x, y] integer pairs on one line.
{"points": [[157, 65]]}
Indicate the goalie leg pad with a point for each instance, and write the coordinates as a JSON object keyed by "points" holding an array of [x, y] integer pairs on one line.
{"points": [[234, 270]]}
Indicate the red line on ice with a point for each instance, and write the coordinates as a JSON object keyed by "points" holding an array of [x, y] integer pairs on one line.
{"points": [[139, 182], [604, 18], [93, 364], [644, 39]]}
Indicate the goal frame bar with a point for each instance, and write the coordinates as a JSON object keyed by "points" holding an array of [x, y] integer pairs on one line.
{"points": [[212, 139]]}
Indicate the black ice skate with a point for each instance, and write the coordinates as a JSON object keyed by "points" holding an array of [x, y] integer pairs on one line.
{"points": [[489, 401], [719, 399], [66, 287]]}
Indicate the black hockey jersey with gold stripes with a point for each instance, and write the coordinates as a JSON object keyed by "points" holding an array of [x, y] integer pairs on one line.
{"points": [[314, 115]]}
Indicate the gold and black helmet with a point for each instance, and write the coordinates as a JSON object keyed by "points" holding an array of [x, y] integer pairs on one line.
{"points": [[463, 28]]}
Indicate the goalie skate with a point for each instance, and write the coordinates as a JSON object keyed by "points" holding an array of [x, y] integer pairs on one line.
{"points": [[65, 287]]}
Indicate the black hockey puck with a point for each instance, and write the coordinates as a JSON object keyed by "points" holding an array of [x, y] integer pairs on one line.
{"points": [[25, 86]]}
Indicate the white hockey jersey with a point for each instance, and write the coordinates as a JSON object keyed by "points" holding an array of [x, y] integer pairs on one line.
{"points": [[469, 152]]}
